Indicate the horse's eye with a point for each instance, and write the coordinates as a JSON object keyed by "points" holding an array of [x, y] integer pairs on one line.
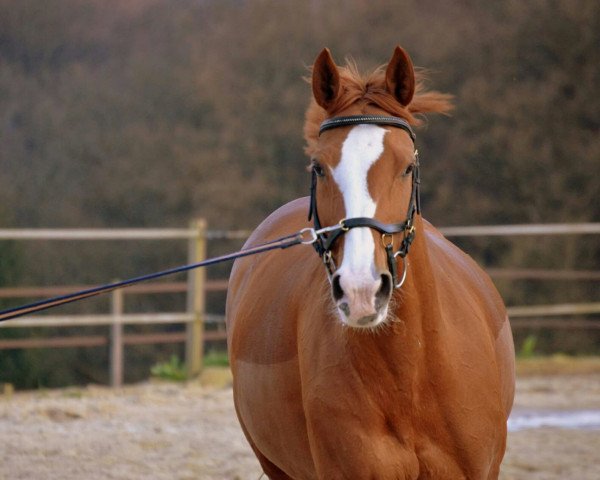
{"points": [[318, 169], [408, 170]]}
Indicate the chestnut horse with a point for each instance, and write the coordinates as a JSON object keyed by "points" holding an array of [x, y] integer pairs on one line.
{"points": [[401, 366]]}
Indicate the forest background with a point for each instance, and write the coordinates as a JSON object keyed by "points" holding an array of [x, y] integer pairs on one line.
{"points": [[149, 113]]}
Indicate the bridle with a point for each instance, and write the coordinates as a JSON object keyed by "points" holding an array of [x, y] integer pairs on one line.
{"points": [[327, 236]]}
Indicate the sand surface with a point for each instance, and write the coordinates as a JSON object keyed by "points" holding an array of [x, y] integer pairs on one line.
{"points": [[189, 431]]}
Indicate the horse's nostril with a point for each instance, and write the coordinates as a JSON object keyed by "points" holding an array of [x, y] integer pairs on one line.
{"points": [[385, 291], [336, 287]]}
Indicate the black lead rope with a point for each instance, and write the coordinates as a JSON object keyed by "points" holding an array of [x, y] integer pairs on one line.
{"points": [[304, 236]]}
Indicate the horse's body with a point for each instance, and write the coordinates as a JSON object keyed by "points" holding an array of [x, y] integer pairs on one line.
{"points": [[424, 395]]}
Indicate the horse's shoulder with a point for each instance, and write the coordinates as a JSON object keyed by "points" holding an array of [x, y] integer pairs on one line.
{"points": [[458, 275], [265, 290], [285, 220], [443, 252]]}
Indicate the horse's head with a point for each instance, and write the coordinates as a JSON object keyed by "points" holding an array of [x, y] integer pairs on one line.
{"points": [[368, 172]]}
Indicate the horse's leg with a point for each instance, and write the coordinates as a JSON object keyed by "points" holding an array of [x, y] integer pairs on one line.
{"points": [[271, 470]]}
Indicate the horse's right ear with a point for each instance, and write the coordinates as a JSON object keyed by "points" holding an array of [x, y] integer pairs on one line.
{"points": [[400, 76], [325, 80]]}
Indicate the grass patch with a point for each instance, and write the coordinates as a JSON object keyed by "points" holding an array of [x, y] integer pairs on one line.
{"points": [[173, 370], [528, 347], [216, 358]]}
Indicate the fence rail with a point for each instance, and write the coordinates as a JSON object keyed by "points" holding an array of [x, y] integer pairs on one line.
{"points": [[196, 287], [190, 233], [531, 229], [119, 234]]}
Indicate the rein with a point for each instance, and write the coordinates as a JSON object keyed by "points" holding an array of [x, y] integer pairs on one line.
{"points": [[326, 237]]}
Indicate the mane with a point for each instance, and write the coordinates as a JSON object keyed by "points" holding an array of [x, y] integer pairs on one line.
{"points": [[369, 90]]}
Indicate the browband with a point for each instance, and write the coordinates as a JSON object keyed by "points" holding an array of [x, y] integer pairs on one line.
{"points": [[367, 119]]}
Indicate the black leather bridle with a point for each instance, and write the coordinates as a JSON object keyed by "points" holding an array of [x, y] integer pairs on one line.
{"points": [[327, 236]]}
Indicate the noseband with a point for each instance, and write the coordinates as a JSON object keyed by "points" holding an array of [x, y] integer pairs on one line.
{"points": [[327, 236]]}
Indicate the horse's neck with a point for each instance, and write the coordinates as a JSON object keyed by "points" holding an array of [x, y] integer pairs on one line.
{"points": [[392, 362]]}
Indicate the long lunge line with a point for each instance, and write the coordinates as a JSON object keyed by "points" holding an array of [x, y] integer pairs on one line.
{"points": [[304, 236]]}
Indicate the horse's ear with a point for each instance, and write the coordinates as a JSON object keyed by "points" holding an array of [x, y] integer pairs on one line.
{"points": [[325, 80], [400, 77]]}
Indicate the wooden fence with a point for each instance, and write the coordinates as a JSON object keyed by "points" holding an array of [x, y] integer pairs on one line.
{"points": [[195, 318]]}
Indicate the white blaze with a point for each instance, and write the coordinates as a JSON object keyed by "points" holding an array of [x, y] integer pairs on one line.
{"points": [[361, 149]]}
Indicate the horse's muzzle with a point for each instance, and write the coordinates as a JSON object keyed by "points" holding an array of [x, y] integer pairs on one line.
{"points": [[362, 303]]}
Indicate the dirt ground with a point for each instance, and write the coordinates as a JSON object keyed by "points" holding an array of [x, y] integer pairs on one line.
{"points": [[554, 453], [189, 431]]}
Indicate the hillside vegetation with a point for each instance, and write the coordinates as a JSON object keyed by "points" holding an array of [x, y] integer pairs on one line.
{"points": [[139, 113]]}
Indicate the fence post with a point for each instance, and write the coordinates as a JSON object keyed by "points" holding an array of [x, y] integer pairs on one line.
{"points": [[116, 339], [194, 345]]}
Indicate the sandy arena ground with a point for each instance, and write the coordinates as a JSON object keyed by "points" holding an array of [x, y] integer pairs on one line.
{"points": [[173, 431]]}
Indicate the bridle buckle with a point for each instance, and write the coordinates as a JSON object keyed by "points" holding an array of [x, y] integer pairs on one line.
{"points": [[329, 263], [308, 236], [390, 239]]}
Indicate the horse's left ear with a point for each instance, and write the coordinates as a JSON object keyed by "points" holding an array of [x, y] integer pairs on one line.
{"points": [[400, 77]]}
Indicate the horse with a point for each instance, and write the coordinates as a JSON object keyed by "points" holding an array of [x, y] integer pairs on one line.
{"points": [[387, 353]]}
